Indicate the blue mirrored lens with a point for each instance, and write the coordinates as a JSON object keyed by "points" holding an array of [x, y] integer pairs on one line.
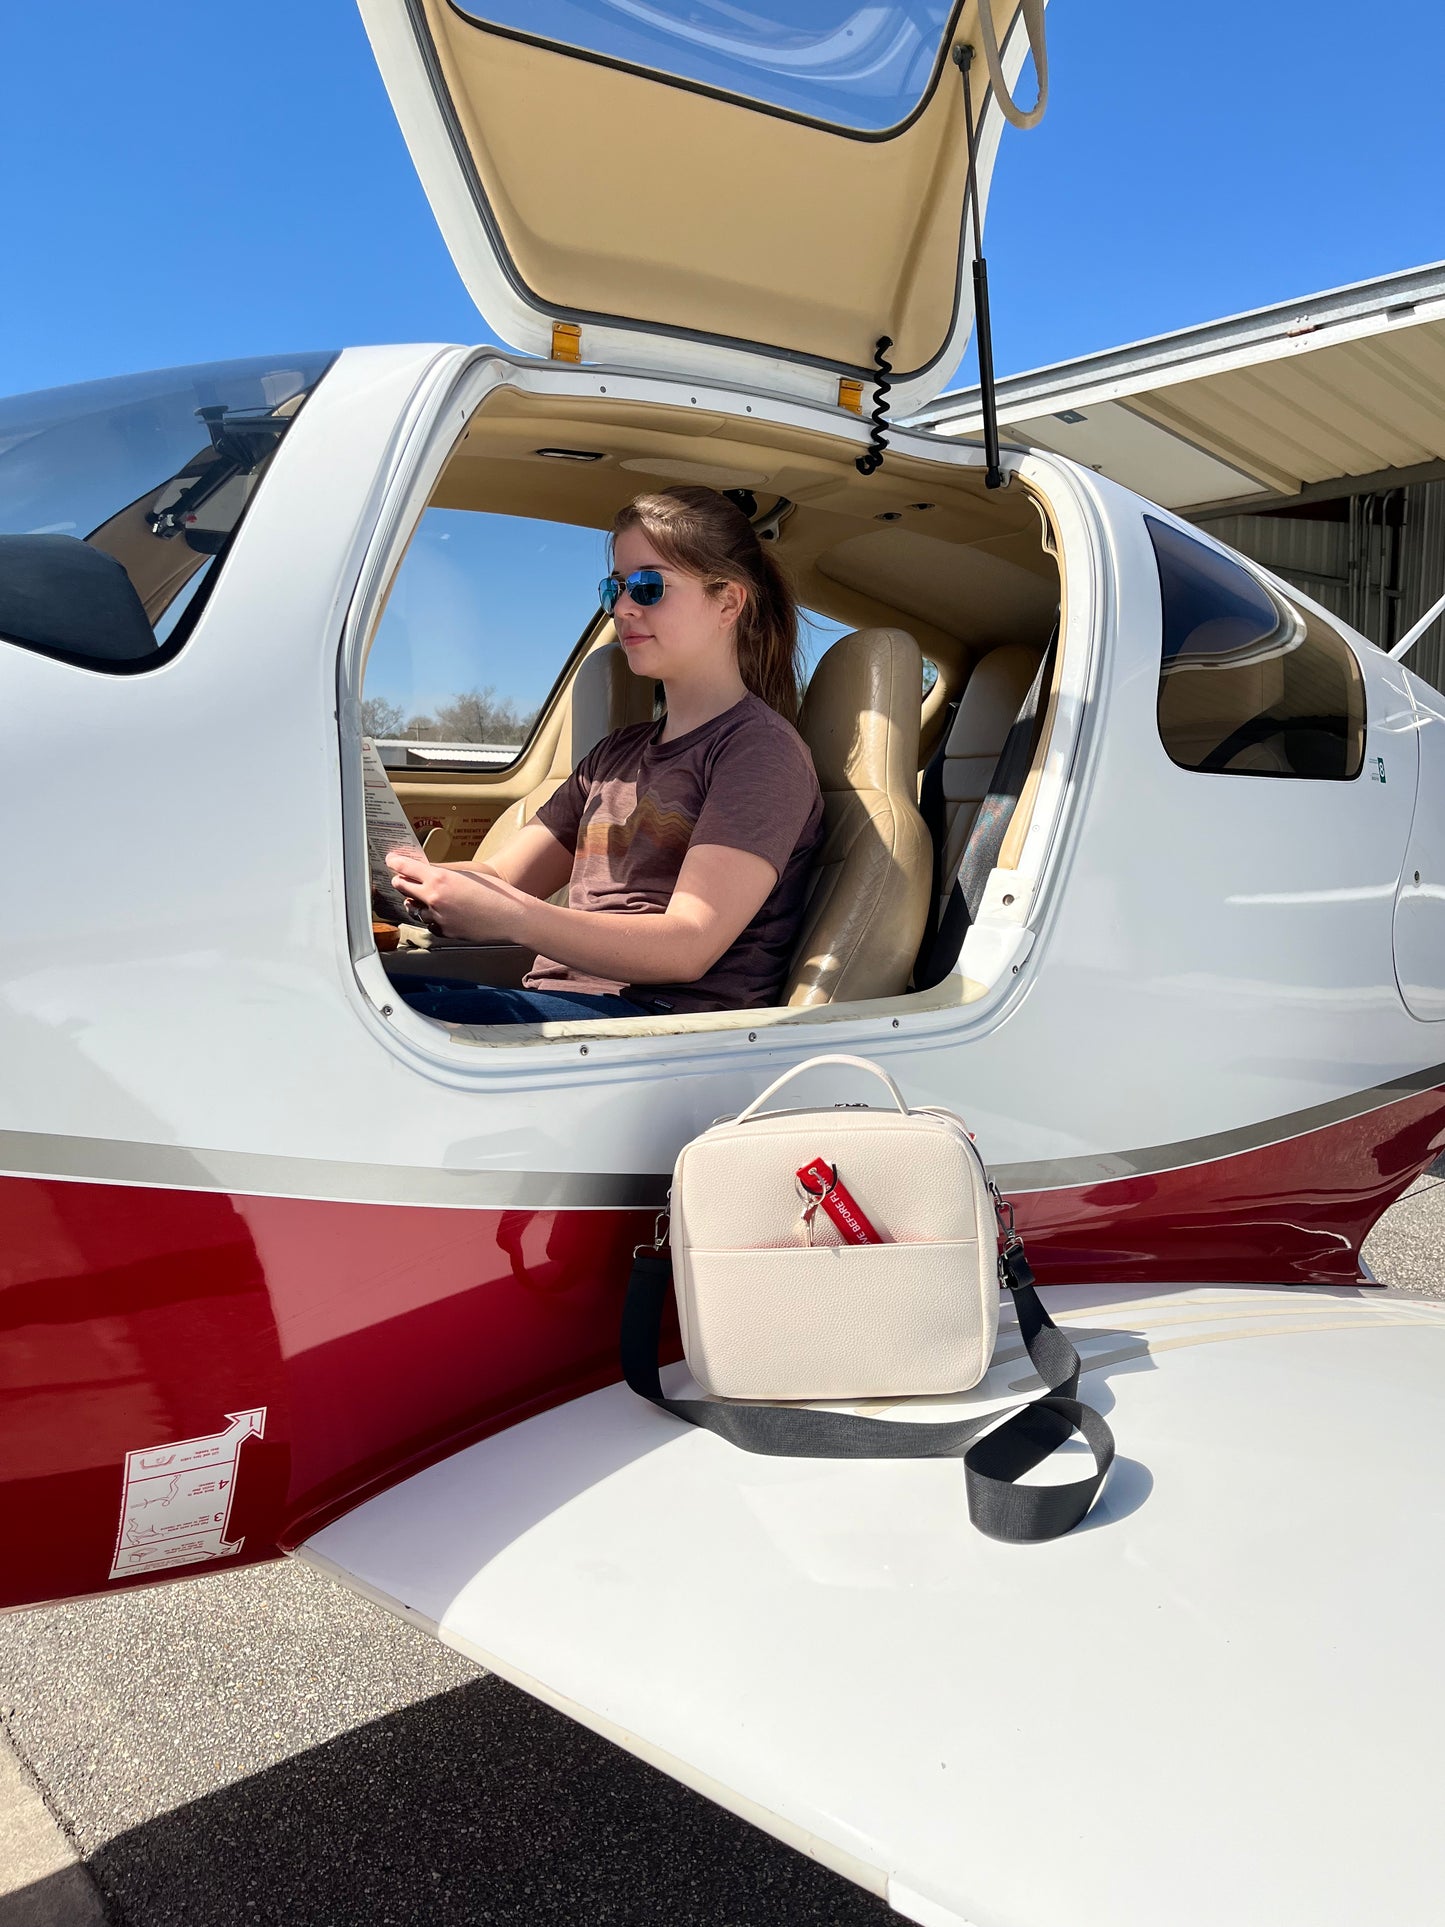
{"points": [[645, 586]]}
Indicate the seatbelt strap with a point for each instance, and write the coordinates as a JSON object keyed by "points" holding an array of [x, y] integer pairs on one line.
{"points": [[1011, 1444], [932, 807], [985, 839]]}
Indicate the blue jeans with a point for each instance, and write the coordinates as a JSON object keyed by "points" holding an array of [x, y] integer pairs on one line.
{"points": [[464, 1003]]}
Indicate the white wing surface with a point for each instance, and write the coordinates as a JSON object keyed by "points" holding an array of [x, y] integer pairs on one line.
{"points": [[1218, 1701]]}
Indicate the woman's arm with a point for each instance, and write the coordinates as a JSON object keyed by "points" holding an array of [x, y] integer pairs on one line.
{"points": [[532, 861], [718, 893]]}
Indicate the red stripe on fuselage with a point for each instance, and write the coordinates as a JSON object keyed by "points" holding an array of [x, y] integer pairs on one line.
{"points": [[380, 1337]]}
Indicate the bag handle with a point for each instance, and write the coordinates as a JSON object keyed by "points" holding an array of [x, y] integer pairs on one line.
{"points": [[812, 1063], [1033, 13], [992, 1466]]}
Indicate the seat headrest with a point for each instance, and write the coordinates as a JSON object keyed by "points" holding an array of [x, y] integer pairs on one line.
{"points": [[992, 697], [861, 713], [605, 695]]}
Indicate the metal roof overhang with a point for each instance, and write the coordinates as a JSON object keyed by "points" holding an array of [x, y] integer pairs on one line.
{"points": [[1254, 410]]}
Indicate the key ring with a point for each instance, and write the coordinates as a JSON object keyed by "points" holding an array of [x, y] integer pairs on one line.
{"points": [[814, 1199]]}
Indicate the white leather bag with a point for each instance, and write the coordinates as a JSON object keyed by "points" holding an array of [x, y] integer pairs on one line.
{"points": [[775, 1303]]}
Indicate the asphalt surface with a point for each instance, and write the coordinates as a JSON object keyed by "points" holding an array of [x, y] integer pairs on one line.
{"points": [[266, 1749]]}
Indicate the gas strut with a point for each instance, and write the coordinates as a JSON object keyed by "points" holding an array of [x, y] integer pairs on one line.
{"points": [[993, 474]]}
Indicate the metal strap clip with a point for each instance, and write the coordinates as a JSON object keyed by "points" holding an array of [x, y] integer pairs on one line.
{"points": [[659, 1231]]}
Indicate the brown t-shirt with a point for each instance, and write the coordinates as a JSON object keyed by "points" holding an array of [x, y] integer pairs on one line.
{"points": [[630, 811]]}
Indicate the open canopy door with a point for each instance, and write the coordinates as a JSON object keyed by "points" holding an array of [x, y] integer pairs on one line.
{"points": [[709, 189]]}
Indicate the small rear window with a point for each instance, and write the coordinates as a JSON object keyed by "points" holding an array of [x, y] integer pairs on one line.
{"points": [[1248, 684]]}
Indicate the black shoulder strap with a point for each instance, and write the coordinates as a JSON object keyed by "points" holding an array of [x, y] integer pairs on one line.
{"points": [[992, 1466]]}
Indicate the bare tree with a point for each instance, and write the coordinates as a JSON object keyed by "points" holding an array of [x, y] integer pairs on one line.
{"points": [[479, 716], [381, 717], [473, 716]]}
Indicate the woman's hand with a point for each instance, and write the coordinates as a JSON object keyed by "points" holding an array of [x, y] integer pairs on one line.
{"points": [[459, 902]]}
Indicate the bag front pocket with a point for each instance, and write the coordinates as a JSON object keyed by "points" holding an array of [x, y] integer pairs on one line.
{"points": [[838, 1322]]}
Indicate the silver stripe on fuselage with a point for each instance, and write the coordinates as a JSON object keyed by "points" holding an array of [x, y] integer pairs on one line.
{"points": [[257, 1173]]}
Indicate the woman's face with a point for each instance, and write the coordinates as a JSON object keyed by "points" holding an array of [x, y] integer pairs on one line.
{"points": [[688, 632]]}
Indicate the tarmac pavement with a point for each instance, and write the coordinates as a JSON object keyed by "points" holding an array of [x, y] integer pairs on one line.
{"points": [[266, 1749]]}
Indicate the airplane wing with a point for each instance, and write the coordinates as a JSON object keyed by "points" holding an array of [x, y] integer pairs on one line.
{"points": [[1216, 1701]]}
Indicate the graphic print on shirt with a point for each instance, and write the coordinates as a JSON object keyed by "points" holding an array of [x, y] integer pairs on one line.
{"points": [[668, 830]]}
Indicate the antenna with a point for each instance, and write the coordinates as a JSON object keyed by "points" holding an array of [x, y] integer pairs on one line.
{"points": [[983, 331]]}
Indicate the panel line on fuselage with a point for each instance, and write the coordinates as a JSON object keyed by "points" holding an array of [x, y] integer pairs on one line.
{"points": [[257, 1173]]}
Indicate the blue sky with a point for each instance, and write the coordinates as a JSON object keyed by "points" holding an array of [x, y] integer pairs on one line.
{"points": [[181, 184], [200, 182]]}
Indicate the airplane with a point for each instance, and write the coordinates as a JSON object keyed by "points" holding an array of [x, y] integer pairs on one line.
{"points": [[1149, 883]]}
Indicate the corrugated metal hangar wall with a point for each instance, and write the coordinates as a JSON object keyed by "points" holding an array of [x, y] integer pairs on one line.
{"points": [[1376, 559]]}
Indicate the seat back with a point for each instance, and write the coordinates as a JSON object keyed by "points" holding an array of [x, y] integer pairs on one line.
{"points": [[991, 699], [869, 896], [1199, 710], [605, 695]]}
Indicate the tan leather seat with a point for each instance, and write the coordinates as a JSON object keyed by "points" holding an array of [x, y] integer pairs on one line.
{"points": [[869, 897], [992, 697], [605, 696]]}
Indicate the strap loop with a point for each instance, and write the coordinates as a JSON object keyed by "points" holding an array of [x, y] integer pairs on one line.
{"points": [[1033, 13]]}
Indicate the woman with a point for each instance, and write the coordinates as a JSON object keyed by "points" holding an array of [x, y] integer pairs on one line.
{"points": [[688, 842]]}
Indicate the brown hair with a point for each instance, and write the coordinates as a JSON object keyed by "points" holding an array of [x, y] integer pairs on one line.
{"points": [[701, 532]]}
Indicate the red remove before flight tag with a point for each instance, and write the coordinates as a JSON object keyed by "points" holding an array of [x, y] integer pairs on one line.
{"points": [[838, 1202]]}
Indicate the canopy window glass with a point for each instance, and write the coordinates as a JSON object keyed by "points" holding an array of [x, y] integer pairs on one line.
{"points": [[150, 473], [864, 66], [1249, 685], [729, 189]]}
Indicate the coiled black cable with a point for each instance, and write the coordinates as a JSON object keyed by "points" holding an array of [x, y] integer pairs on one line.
{"points": [[872, 461]]}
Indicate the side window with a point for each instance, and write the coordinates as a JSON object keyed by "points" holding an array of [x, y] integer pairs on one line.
{"points": [[817, 634], [1249, 685], [484, 612], [118, 501]]}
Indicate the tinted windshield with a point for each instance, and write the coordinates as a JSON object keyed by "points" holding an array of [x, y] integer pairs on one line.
{"points": [[155, 469], [863, 66]]}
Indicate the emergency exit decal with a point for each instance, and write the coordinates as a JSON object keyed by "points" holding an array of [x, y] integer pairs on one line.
{"points": [[175, 1506]]}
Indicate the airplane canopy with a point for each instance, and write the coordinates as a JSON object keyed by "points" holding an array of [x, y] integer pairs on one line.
{"points": [[705, 189]]}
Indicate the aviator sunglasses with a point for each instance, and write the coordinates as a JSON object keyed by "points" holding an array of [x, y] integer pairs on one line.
{"points": [[645, 586]]}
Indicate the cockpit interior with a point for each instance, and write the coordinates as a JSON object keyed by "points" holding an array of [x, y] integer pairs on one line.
{"points": [[931, 606]]}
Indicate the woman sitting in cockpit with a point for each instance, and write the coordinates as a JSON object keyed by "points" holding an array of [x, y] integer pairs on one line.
{"points": [[685, 844]]}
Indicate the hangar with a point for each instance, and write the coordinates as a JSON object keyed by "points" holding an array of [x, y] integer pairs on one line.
{"points": [[1309, 435]]}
